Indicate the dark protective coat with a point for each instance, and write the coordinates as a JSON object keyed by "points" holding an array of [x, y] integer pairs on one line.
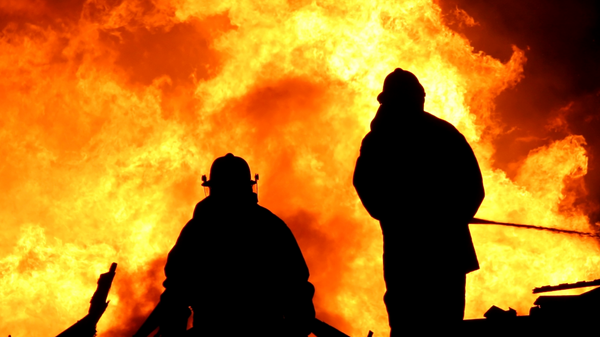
{"points": [[417, 174], [240, 269]]}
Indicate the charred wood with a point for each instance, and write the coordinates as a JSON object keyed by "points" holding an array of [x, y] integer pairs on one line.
{"points": [[87, 325]]}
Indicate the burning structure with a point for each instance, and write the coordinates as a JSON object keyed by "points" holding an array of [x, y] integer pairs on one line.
{"points": [[113, 109]]}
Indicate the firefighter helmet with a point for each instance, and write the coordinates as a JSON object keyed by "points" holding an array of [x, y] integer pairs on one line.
{"points": [[229, 170], [400, 85]]}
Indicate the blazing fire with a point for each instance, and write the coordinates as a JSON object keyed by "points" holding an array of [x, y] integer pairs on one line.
{"points": [[112, 110]]}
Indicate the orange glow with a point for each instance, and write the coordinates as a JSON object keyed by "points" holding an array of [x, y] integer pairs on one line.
{"points": [[112, 111]]}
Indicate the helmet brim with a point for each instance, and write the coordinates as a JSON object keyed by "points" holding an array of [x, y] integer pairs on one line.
{"points": [[210, 183]]}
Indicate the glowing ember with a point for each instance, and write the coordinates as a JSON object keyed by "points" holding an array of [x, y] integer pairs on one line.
{"points": [[113, 110]]}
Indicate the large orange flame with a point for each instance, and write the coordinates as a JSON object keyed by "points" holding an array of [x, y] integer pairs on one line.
{"points": [[112, 110]]}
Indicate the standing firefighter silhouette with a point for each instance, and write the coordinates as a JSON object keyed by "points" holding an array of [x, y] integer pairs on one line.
{"points": [[236, 264], [418, 176]]}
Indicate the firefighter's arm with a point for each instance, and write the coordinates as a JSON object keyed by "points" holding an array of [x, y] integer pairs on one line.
{"points": [[169, 316], [177, 283], [473, 181], [366, 179], [151, 323], [171, 313], [299, 310], [468, 191]]}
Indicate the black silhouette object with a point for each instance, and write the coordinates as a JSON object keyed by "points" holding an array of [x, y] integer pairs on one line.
{"points": [[419, 177], [237, 265], [86, 327]]}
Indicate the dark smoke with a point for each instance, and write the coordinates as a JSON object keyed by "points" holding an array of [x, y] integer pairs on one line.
{"points": [[560, 93]]}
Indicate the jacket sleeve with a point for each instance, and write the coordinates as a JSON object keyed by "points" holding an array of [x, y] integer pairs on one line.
{"points": [[475, 183], [298, 292], [172, 313], [468, 192], [366, 178], [176, 270]]}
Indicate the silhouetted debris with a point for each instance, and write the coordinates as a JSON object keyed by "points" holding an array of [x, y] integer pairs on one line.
{"points": [[87, 325], [581, 306], [322, 329], [496, 313], [319, 329], [565, 286], [567, 315]]}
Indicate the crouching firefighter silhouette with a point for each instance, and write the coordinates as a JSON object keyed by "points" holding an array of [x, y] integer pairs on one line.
{"points": [[236, 264]]}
